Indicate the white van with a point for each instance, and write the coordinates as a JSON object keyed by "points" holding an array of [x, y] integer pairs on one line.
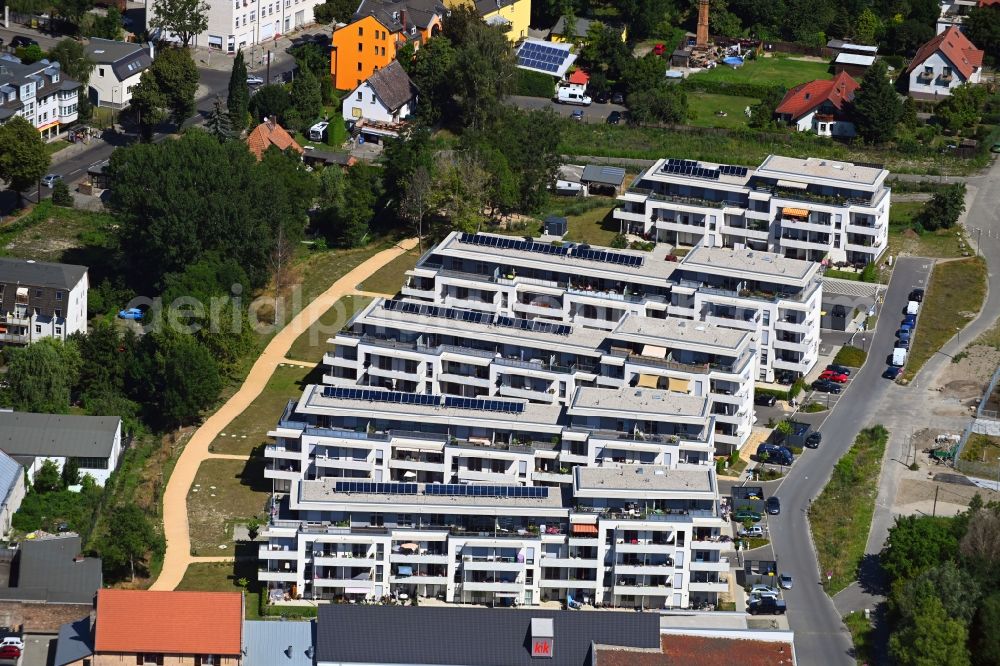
{"points": [[318, 131], [567, 95], [899, 357], [912, 307]]}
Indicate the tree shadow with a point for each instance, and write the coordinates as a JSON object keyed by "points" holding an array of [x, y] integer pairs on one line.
{"points": [[871, 576]]}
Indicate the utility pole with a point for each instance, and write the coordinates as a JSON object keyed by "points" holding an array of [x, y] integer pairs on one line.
{"points": [[934, 510], [267, 77]]}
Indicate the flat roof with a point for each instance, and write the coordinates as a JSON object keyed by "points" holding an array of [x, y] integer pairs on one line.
{"points": [[607, 175], [654, 264], [812, 168], [855, 59], [313, 401], [747, 263], [325, 490], [675, 329], [687, 478], [656, 171], [631, 399]]}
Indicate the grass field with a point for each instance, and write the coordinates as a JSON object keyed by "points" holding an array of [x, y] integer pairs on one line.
{"points": [[850, 356], [981, 448], [783, 71], [389, 280], [940, 244], [249, 429], [312, 343], [224, 577], [225, 492], [861, 635], [954, 296], [51, 233], [841, 515], [702, 108]]}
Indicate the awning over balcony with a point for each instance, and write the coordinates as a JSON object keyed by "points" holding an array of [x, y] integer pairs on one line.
{"points": [[679, 385], [585, 529], [792, 185], [648, 381], [795, 212], [356, 590], [653, 350]]}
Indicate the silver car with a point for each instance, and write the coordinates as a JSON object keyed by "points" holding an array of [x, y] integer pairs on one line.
{"points": [[49, 180]]}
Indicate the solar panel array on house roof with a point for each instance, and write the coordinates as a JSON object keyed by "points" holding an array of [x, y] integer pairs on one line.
{"points": [[377, 488], [539, 492], [696, 170], [544, 57], [474, 317], [503, 243]]}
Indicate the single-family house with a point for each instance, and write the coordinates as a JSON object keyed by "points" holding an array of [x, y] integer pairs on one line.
{"points": [[943, 63], [12, 490], [580, 27], [820, 106], [118, 66], [175, 628], [378, 28], [93, 442], [380, 106], [270, 133], [39, 93], [40, 299], [52, 570]]}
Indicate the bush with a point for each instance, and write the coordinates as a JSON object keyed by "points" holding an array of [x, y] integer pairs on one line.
{"points": [[619, 242], [870, 273], [533, 84], [814, 407], [61, 195]]}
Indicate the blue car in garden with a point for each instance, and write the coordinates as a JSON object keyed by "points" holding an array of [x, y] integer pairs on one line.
{"points": [[131, 313]]}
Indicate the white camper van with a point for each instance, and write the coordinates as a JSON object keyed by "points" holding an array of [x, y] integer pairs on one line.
{"points": [[912, 307], [572, 95]]}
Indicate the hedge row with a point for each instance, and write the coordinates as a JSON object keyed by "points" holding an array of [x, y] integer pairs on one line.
{"points": [[786, 395], [736, 89], [533, 84]]}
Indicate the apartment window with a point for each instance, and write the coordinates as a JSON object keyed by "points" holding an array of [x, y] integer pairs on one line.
{"points": [[237, 21], [475, 464], [38, 293], [766, 314], [100, 71], [58, 314], [405, 520], [149, 658], [208, 660], [253, 16], [58, 330], [359, 96], [38, 329], [763, 357], [92, 463], [373, 99], [359, 69], [361, 31], [383, 50], [376, 50], [360, 47]]}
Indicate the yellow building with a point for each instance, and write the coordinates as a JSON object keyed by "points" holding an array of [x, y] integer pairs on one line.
{"points": [[514, 15]]}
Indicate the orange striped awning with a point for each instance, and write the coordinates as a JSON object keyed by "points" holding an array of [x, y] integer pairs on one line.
{"points": [[585, 528], [795, 212]]}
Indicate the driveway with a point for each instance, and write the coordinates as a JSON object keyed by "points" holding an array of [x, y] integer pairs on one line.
{"points": [[595, 113]]}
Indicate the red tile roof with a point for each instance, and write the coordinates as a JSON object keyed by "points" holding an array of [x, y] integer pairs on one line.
{"points": [[987, 3], [803, 98], [678, 650], [170, 622], [579, 76], [953, 45], [267, 134]]}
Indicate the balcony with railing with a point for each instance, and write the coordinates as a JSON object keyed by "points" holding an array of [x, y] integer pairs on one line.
{"points": [[657, 194]]}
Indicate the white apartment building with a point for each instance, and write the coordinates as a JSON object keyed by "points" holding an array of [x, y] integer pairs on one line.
{"points": [[808, 209], [236, 24], [778, 300], [39, 93], [39, 299], [622, 520]]}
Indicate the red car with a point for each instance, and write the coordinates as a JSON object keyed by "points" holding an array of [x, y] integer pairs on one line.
{"points": [[831, 376], [659, 50], [10, 652]]}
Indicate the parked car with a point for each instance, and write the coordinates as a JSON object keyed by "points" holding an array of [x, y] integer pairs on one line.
{"points": [[785, 581], [768, 605], [10, 653], [903, 334], [995, 148], [764, 399], [577, 115], [773, 505], [779, 455], [830, 375], [764, 590], [254, 80], [917, 295], [617, 98], [747, 514], [659, 49], [842, 369], [813, 440], [825, 386], [20, 41], [902, 344], [15, 641], [911, 320], [50, 179], [131, 313], [614, 117], [754, 531], [891, 372], [602, 97]]}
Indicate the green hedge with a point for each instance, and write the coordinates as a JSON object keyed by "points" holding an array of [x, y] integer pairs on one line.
{"points": [[534, 84], [736, 89], [792, 391]]}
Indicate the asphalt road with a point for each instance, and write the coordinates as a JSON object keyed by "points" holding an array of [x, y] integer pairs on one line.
{"points": [[820, 637], [595, 113]]}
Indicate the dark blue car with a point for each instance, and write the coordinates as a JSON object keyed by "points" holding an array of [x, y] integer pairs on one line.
{"points": [[892, 372]]}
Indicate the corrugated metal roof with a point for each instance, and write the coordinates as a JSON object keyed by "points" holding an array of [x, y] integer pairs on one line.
{"points": [[596, 173], [278, 643], [57, 435]]}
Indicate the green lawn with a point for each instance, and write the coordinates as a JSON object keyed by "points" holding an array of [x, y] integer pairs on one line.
{"points": [[249, 430], [861, 635], [224, 577], [225, 492], [954, 296], [850, 356], [783, 71], [703, 108], [981, 448], [940, 244], [389, 280], [312, 343], [55, 146], [841, 515], [336, 132], [596, 227]]}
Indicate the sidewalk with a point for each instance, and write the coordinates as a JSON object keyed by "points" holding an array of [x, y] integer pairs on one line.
{"points": [[256, 56]]}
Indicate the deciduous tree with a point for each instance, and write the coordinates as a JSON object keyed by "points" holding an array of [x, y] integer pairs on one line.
{"points": [[306, 99], [983, 27], [127, 539], [177, 78], [47, 479], [917, 543], [944, 208], [41, 375], [270, 100], [183, 18], [930, 638], [73, 59], [23, 160], [147, 104]]}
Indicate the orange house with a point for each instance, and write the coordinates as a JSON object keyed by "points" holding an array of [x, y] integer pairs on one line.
{"points": [[369, 42]]}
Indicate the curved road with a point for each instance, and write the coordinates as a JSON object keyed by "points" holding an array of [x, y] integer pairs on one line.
{"points": [[820, 637], [175, 517]]}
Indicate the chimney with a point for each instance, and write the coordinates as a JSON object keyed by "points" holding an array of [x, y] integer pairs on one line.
{"points": [[402, 19], [289, 651], [79, 558], [310, 652]]}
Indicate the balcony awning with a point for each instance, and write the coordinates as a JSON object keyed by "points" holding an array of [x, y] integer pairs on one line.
{"points": [[795, 212], [505, 595], [653, 350], [648, 381], [585, 528], [792, 185], [405, 571], [356, 590], [22, 291], [679, 385]]}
